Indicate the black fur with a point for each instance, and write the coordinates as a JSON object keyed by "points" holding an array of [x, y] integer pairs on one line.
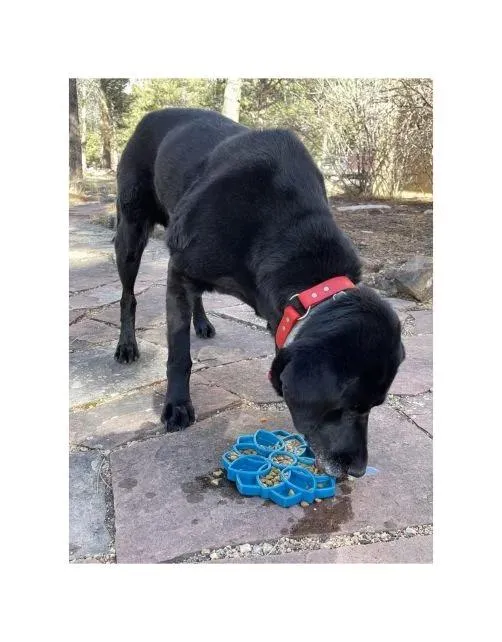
{"points": [[247, 214]]}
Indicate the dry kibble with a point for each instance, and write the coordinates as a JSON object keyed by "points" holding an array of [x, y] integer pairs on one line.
{"points": [[318, 500], [272, 478], [215, 482], [217, 473], [293, 445], [304, 504], [282, 459]]}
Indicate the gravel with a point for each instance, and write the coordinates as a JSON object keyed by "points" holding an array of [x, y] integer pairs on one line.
{"points": [[288, 544]]}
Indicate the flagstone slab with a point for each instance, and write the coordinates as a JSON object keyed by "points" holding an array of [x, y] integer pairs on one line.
{"points": [[73, 315], [216, 301], [95, 376], [415, 373], [96, 297], [150, 309], [91, 274], [233, 342], [88, 533], [423, 321], [419, 409], [137, 415], [243, 312], [248, 379], [93, 332], [166, 506]]}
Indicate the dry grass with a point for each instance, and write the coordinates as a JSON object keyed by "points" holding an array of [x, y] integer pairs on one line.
{"points": [[95, 186]]}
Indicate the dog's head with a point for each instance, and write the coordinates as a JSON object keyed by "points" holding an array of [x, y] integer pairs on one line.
{"points": [[339, 366]]}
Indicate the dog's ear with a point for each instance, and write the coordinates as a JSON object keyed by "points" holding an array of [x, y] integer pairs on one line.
{"points": [[281, 360]]}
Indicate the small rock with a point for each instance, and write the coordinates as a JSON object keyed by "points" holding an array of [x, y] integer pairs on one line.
{"points": [[245, 548], [415, 278], [205, 551], [257, 550], [267, 548], [410, 531], [214, 555], [318, 500], [304, 504]]}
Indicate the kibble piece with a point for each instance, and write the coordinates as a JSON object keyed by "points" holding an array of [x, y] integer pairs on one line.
{"points": [[304, 504], [318, 500], [215, 482], [291, 492], [217, 473]]}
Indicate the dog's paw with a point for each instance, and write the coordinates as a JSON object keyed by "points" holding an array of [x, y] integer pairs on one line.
{"points": [[177, 416], [204, 330], [127, 352]]}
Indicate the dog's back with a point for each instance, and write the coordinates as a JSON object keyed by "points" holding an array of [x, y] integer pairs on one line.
{"points": [[183, 149]]}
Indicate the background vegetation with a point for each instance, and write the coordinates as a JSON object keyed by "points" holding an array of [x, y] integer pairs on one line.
{"points": [[370, 137]]}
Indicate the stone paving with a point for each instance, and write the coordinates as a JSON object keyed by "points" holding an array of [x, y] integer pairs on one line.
{"points": [[139, 495]]}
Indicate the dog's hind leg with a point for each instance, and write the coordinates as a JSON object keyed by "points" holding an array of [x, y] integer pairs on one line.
{"points": [[130, 241], [203, 327]]}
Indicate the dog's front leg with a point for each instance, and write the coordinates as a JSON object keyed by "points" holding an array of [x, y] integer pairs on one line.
{"points": [[178, 411]]}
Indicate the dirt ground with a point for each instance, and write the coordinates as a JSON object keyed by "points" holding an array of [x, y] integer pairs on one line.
{"points": [[387, 237]]}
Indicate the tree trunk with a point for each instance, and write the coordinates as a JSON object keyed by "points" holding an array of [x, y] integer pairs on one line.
{"points": [[75, 145], [232, 98], [107, 134], [83, 124]]}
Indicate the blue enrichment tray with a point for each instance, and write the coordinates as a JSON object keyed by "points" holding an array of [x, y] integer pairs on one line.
{"points": [[281, 458]]}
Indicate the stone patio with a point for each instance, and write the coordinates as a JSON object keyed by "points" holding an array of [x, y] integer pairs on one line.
{"points": [[139, 495]]}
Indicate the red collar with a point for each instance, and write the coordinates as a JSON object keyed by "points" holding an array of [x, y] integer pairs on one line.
{"points": [[309, 299]]}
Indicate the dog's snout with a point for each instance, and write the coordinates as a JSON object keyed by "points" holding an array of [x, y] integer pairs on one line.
{"points": [[356, 471], [341, 465]]}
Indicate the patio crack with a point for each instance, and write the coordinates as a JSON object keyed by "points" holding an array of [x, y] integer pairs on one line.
{"points": [[285, 545]]}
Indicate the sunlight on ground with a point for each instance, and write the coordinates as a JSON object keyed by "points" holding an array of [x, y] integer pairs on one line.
{"points": [[415, 196]]}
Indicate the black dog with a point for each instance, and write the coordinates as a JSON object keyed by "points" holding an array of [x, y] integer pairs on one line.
{"points": [[247, 215]]}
